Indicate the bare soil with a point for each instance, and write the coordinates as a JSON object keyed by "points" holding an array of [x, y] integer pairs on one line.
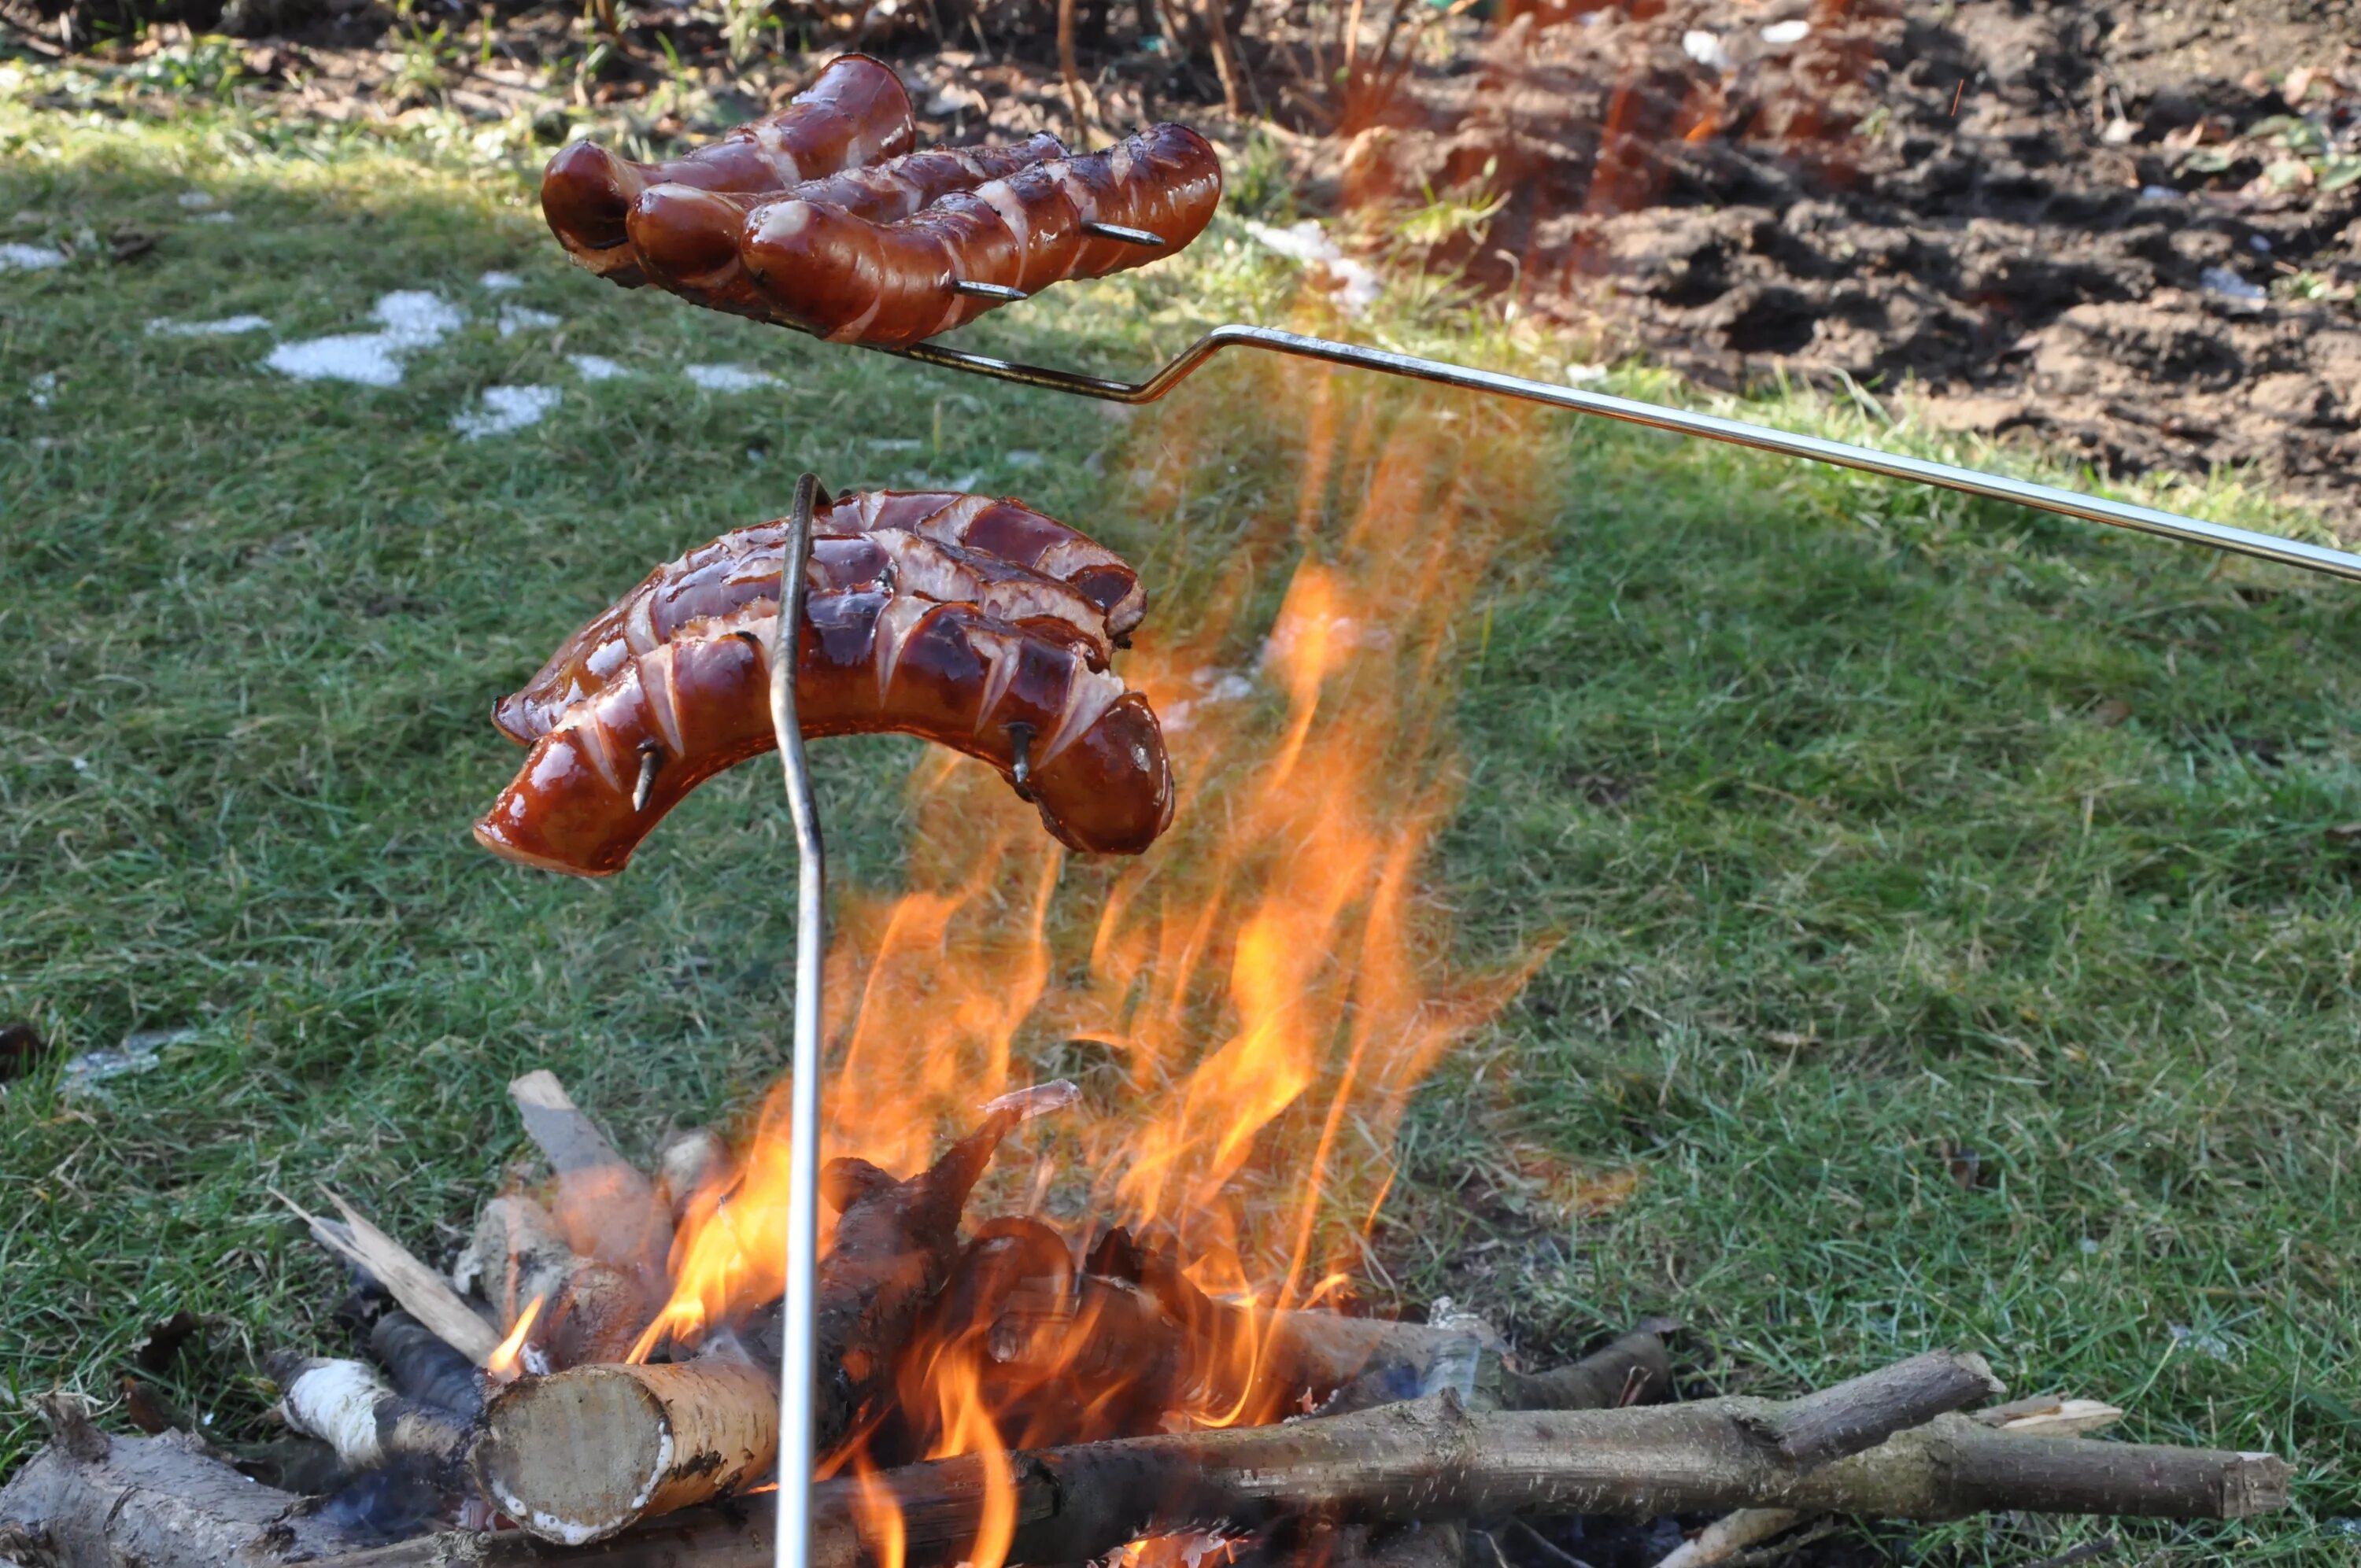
{"points": [[2113, 227]]}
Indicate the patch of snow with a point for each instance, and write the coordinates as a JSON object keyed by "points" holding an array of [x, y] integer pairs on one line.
{"points": [[2230, 286], [363, 358], [952, 99], [911, 479], [195, 201], [516, 318], [17, 257], [1218, 687], [412, 319], [416, 319], [1706, 48], [228, 326], [1356, 284], [506, 410], [1779, 35], [729, 377], [224, 216], [1306, 241], [499, 282], [595, 366], [42, 387]]}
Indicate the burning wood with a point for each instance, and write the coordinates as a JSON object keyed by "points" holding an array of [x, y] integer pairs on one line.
{"points": [[1082, 1363], [604, 1207], [583, 1311]]}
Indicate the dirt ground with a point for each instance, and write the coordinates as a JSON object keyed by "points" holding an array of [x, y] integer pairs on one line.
{"points": [[2129, 230]]}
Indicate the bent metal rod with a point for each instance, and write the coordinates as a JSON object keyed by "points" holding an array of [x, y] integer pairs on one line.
{"points": [[1679, 421], [792, 1545]]}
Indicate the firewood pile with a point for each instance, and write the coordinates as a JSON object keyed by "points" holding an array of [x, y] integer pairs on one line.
{"points": [[548, 1404]]}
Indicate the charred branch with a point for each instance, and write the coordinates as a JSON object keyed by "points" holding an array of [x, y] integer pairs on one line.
{"points": [[894, 1245], [1157, 1342], [1630, 1369], [344, 1405], [421, 1367]]}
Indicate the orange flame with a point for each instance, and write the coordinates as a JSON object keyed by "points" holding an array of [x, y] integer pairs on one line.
{"points": [[1249, 1008], [507, 1361]]}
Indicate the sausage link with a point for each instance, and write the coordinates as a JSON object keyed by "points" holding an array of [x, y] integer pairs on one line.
{"points": [[855, 113], [844, 259], [869, 658], [685, 240], [1018, 565]]}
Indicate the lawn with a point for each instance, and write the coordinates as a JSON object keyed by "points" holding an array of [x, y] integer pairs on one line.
{"points": [[1941, 925]]}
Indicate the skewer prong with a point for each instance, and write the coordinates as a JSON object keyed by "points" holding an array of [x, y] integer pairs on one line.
{"points": [[651, 763], [1020, 738], [1129, 237], [988, 290]]}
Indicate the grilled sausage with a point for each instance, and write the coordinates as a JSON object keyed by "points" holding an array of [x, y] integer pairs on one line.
{"points": [[685, 239], [1001, 555], [829, 260], [672, 685], [852, 114]]}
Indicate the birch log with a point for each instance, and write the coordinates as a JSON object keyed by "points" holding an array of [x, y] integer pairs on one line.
{"points": [[580, 1455]]}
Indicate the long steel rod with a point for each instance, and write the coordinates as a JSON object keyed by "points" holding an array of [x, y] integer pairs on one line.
{"points": [[792, 1548], [1737, 433]]}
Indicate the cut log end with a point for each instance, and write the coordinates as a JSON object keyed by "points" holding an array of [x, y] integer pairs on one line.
{"points": [[577, 1456]]}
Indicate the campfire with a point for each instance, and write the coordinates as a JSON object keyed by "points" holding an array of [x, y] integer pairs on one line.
{"points": [[1007, 1390], [1096, 1299]]}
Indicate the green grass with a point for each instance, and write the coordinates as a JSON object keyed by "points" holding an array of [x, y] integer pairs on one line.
{"points": [[1941, 916]]}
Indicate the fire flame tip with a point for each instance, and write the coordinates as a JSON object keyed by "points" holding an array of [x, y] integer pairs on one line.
{"points": [[511, 1357]]}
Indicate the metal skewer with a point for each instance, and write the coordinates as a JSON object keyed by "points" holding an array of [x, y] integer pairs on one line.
{"points": [[1737, 433], [792, 1546]]}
